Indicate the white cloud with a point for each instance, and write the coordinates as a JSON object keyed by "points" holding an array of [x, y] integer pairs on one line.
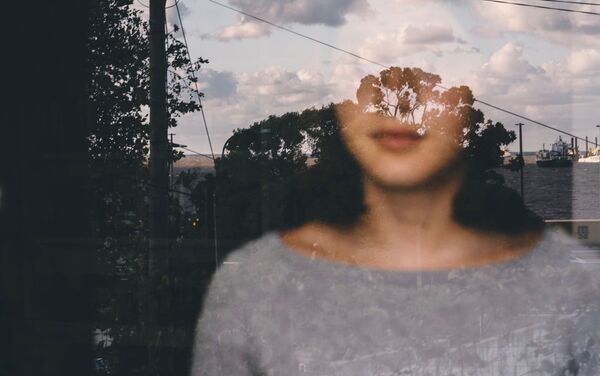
{"points": [[536, 78], [270, 91], [542, 92], [276, 90], [253, 96], [346, 77], [410, 40], [217, 84], [510, 78], [580, 72], [429, 34], [584, 62], [307, 12], [487, 30], [557, 27], [508, 62], [244, 29]]}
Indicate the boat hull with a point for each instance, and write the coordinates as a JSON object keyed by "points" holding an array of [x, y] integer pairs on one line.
{"points": [[554, 163]]}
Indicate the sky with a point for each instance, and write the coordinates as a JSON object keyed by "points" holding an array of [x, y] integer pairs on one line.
{"points": [[542, 64]]}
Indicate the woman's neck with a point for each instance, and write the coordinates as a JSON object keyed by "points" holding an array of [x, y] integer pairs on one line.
{"points": [[410, 226], [408, 230], [399, 216]]}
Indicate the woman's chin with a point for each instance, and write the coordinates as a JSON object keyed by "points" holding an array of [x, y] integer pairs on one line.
{"points": [[412, 177]]}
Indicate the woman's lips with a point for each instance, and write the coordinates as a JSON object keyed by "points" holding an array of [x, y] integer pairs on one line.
{"points": [[397, 140]]}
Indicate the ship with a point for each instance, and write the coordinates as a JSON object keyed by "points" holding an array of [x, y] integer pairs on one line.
{"points": [[560, 155], [506, 157], [592, 157]]}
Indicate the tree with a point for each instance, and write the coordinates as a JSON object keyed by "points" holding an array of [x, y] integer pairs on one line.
{"points": [[118, 58], [415, 97], [398, 92], [331, 189], [261, 163]]}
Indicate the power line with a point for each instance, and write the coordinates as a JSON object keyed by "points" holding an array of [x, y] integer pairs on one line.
{"points": [[530, 120], [187, 47], [166, 7], [540, 7], [196, 152], [383, 65], [212, 153], [298, 34], [571, 2]]}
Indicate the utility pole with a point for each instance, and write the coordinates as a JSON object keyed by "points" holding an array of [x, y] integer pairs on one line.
{"points": [[522, 164], [598, 151], [159, 146], [158, 252], [171, 166]]}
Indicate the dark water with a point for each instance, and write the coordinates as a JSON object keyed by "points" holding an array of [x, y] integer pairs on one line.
{"points": [[560, 193]]}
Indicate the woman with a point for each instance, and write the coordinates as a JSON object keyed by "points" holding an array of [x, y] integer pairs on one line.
{"points": [[418, 281]]}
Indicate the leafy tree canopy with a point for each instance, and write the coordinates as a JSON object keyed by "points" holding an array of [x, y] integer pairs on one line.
{"points": [[118, 142], [273, 154], [415, 97]]}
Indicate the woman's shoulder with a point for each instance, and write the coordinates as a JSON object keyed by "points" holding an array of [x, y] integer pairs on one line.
{"points": [[309, 238], [258, 262], [571, 268], [557, 248]]}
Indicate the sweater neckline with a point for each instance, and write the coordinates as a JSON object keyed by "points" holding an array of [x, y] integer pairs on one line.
{"points": [[324, 265]]}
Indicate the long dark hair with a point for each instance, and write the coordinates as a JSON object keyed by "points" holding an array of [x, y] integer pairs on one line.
{"points": [[332, 191]]}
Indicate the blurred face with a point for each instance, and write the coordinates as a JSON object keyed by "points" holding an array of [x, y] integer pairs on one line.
{"points": [[400, 155]]}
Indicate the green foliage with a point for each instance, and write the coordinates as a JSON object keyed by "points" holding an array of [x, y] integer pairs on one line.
{"points": [[119, 85], [264, 181], [255, 175], [412, 96], [397, 92], [484, 150]]}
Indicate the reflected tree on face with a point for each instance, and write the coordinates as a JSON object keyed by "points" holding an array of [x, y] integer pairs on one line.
{"points": [[330, 190], [411, 98], [398, 92], [416, 99]]}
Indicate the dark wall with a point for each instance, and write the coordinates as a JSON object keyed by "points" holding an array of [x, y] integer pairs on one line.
{"points": [[45, 253]]}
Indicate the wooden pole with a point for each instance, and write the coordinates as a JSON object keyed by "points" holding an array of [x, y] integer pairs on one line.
{"points": [[158, 252], [159, 145], [520, 125]]}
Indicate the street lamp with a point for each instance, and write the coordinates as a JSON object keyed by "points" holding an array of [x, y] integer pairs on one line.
{"points": [[225, 147], [522, 160], [598, 151], [261, 131]]}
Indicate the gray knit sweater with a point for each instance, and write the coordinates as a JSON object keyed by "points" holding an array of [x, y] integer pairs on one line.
{"points": [[273, 311]]}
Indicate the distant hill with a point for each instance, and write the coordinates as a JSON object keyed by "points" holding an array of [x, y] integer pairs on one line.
{"points": [[204, 162], [195, 161]]}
